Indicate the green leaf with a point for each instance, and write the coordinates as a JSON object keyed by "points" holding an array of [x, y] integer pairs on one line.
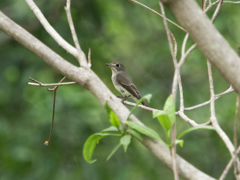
{"points": [[111, 129], [90, 145], [114, 150], [125, 141], [112, 117], [179, 141], [169, 109], [194, 128], [163, 119], [148, 97], [135, 134], [143, 129]]}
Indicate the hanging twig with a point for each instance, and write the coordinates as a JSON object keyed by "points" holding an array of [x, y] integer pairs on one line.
{"points": [[47, 143]]}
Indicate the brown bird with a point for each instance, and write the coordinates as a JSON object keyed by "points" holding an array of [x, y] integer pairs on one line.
{"points": [[123, 83]]}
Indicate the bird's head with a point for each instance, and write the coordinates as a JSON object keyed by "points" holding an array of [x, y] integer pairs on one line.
{"points": [[116, 66]]}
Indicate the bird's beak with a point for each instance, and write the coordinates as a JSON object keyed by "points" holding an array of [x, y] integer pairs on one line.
{"points": [[108, 65]]}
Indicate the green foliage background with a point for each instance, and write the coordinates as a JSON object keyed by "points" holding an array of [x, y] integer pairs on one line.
{"points": [[116, 30]]}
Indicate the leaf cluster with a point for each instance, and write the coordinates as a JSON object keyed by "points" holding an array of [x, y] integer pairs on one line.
{"points": [[125, 131]]}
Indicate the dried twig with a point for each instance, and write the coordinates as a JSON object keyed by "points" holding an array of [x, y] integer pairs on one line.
{"points": [[47, 143], [37, 83]]}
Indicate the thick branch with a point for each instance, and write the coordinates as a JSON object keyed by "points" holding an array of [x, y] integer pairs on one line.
{"points": [[89, 80], [208, 39]]}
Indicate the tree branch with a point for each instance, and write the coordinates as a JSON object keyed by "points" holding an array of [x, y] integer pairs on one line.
{"points": [[208, 39], [90, 81], [79, 54]]}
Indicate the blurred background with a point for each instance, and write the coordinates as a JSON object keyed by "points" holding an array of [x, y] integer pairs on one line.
{"points": [[115, 31]]}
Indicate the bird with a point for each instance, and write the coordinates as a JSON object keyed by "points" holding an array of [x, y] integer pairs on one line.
{"points": [[123, 83]]}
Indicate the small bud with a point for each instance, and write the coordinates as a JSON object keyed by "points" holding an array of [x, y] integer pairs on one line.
{"points": [[46, 143]]}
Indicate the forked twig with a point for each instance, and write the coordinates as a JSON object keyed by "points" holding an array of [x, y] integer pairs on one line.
{"points": [[78, 54]]}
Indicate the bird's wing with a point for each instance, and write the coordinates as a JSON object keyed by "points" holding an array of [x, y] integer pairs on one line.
{"points": [[127, 83]]}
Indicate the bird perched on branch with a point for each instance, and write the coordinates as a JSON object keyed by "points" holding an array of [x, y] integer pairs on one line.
{"points": [[123, 83]]}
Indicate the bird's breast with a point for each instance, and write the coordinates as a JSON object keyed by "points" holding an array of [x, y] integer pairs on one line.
{"points": [[122, 90]]}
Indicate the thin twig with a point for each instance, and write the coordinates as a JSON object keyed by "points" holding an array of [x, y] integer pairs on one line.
{"points": [[230, 89], [211, 86], [184, 44], [37, 83], [186, 54], [180, 93], [140, 106], [174, 90], [190, 121], [158, 14], [216, 12], [71, 25], [175, 49], [47, 143], [213, 118], [204, 4], [53, 89], [227, 168]]}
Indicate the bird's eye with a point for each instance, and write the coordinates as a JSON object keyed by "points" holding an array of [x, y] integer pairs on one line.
{"points": [[117, 65]]}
